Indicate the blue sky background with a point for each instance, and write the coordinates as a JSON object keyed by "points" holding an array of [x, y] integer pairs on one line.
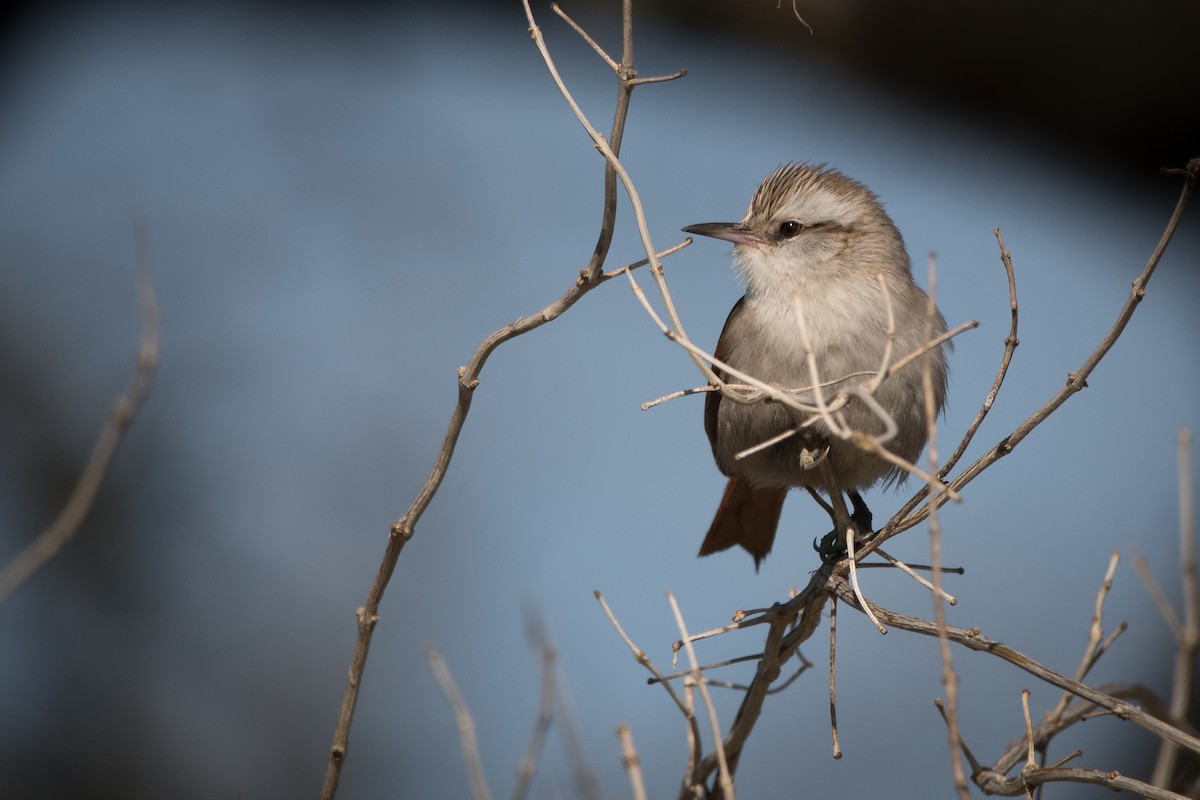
{"points": [[341, 208]]}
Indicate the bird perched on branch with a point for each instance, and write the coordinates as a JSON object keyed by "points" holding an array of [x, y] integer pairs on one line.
{"points": [[821, 262]]}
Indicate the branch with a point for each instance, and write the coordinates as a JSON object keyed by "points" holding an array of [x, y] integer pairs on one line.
{"points": [[633, 765], [468, 379], [463, 721], [1010, 346], [545, 714], [66, 525], [792, 623], [1076, 380], [1188, 632], [974, 640]]}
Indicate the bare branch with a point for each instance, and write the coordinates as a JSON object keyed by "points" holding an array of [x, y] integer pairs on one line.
{"points": [[949, 676], [1010, 346], [910, 572], [464, 722], [1076, 380], [1095, 635], [974, 640], [545, 715], [124, 411], [633, 765], [1030, 761], [1155, 590], [613, 65], [723, 764], [852, 563], [468, 377], [694, 742], [1187, 634], [837, 747]]}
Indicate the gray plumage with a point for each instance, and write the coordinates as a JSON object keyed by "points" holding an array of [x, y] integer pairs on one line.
{"points": [[813, 233]]}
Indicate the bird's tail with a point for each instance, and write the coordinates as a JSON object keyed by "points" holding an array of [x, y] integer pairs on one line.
{"points": [[747, 516]]}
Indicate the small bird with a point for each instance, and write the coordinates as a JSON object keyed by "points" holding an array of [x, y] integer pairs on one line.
{"points": [[818, 238]]}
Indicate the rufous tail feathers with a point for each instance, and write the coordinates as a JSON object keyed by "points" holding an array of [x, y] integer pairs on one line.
{"points": [[746, 516]]}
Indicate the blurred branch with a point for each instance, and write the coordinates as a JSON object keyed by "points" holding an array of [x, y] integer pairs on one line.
{"points": [[633, 765], [1187, 634], [949, 676], [545, 714], [463, 721], [589, 278], [123, 413]]}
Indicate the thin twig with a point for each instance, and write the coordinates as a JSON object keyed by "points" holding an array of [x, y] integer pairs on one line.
{"points": [[124, 411], [1076, 380], [949, 676], [464, 722], [974, 640], [633, 765], [976, 767], [1158, 596], [1030, 761], [1010, 345], [641, 657], [613, 65], [725, 777], [545, 715], [853, 564], [1187, 644], [1095, 634], [468, 379], [837, 748], [910, 572]]}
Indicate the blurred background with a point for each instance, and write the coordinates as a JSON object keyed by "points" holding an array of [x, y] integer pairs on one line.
{"points": [[343, 201]]}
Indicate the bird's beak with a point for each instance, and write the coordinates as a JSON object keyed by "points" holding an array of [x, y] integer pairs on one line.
{"points": [[729, 231]]}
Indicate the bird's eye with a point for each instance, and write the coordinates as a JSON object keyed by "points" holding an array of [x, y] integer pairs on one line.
{"points": [[790, 229]]}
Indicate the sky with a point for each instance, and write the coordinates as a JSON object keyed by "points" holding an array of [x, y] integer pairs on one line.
{"points": [[340, 209]]}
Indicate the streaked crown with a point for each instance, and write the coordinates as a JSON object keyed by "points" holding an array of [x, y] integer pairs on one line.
{"points": [[811, 194]]}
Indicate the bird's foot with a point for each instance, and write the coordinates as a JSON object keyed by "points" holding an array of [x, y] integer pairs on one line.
{"points": [[833, 546]]}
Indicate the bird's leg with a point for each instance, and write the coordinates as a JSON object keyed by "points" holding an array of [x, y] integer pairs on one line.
{"points": [[863, 521], [833, 544]]}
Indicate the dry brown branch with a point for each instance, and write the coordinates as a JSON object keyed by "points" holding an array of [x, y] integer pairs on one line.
{"points": [[852, 563], [124, 411], [793, 622], [1030, 762], [837, 747], [1039, 776], [1010, 346], [910, 571], [995, 780], [694, 740], [726, 781], [934, 485], [907, 517], [1095, 634], [589, 278], [973, 639]]}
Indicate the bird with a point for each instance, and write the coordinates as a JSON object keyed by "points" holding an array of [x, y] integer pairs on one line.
{"points": [[816, 238]]}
